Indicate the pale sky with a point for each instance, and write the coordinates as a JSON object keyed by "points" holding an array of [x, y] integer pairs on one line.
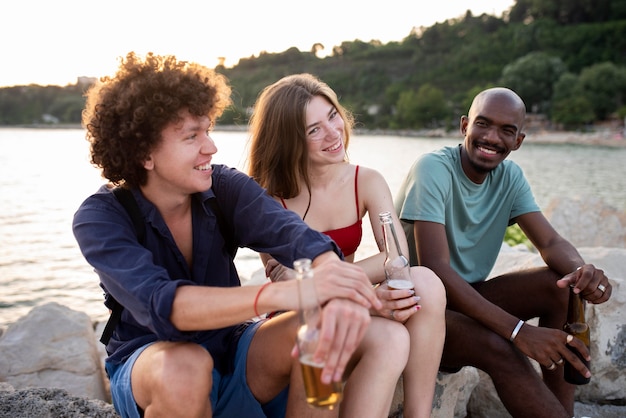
{"points": [[55, 41]]}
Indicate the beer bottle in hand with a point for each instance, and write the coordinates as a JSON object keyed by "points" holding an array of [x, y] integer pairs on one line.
{"points": [[397, 270], [578, 327], [318, 394]]}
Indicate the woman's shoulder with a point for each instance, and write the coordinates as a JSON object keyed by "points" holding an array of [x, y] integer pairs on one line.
{"points": [[370, 182], [366, 172]]}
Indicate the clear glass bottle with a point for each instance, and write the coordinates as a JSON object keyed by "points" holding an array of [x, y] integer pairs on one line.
{"points": [[397, 269], [318, 394], [577, 326]]}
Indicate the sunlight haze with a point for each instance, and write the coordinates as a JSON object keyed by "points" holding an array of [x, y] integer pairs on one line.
{"points": [[54, 42]]}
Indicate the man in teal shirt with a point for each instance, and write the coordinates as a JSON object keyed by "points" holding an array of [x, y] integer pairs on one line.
{"points": [[456, 204]]}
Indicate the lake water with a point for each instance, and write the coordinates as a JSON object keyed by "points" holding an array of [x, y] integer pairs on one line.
{"points": [[45, 174]]}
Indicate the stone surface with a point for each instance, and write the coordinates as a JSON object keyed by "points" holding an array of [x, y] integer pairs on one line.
{"points": [[452, 393], [52, 346], [588, 222], [50, 403]]}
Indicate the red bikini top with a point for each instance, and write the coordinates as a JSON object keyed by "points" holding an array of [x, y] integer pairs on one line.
{"points": [[347, 238]]}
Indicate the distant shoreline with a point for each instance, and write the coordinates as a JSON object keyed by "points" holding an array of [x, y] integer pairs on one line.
{"points": [[600, 138]]}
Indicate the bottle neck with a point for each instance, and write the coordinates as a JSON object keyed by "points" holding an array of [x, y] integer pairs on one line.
{"points": [[575, 308], [392, 244], [307, 296]]}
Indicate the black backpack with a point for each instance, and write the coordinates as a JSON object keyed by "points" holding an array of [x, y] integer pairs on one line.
{"points": [[127, 200]]}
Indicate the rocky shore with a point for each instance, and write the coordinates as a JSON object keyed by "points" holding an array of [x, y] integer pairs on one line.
{"points": [[51, 362]]}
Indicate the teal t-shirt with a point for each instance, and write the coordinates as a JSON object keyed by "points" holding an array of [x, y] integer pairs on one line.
{"points": [[475, 215]]}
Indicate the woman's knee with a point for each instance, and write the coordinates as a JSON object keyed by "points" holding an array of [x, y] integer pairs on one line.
{"points": [[387, 336], [430, 289]]}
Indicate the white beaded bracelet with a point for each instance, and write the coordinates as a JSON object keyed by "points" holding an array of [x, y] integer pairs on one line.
{"points": [[516, 330]]}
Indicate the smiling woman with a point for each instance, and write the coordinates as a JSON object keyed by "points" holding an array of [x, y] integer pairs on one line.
{"points": [[298, 152]]}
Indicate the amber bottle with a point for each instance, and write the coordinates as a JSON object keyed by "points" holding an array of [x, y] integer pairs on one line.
{"points": [[577, 326]]}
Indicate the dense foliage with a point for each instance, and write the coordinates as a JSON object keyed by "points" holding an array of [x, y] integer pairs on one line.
{"points": [[566, 58]]}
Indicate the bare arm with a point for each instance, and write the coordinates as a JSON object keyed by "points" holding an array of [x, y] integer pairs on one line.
{"points": [[376, 197], [558, 253], [561, 256], [201, 308]]}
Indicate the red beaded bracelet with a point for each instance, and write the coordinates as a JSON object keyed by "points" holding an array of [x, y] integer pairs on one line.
{"points": [[256, 298]]}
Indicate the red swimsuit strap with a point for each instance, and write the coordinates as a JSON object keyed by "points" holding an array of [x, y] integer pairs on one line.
{"points": [[356, 192]]}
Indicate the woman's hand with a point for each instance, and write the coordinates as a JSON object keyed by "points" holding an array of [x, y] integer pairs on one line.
{"points": [[398, 305], [276, 272]]}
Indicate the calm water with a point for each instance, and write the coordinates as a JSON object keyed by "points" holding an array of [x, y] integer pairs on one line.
{"points": [[45, 175]]}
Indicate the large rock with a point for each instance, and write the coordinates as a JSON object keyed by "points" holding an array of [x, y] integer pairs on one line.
{"points": [[453, 392], [53, 347], [588, 222]]}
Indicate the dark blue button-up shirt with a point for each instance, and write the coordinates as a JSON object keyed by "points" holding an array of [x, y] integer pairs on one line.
{"points": [[144, 278]]}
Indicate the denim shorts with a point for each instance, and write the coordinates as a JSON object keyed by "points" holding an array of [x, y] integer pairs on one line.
{"points": [[230, 395]]}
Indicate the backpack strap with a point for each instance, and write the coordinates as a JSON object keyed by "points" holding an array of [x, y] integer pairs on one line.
{"points": [[127, 200]]}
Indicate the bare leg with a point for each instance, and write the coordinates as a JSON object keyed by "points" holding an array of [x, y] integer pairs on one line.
{"points": [[527, 295], [546, 301], [374, 373], [427, 330], [173, 380]]}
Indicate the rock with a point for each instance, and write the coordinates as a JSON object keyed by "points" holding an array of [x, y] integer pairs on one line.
{"points": [[50, 403], [452, 393], [588, 222], [52, 346]]}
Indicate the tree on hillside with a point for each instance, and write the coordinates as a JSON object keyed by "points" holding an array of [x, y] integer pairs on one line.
{"points": [[316, 48], [425, 108], [532, 77], [604, 85], [570, 107], [568, 12]]}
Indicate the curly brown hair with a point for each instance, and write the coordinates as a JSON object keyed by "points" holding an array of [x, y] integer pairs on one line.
{"points": [[125, 114]]}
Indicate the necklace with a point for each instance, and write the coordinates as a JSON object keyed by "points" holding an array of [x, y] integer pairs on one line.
{"points": [[307, 206]]}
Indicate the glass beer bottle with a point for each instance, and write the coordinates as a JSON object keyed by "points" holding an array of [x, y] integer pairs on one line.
{"points": [[397, 269], [318, 394], [577, 326]]}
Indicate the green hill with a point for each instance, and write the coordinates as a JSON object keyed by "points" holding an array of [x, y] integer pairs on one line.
{"points": [[567, 59]]}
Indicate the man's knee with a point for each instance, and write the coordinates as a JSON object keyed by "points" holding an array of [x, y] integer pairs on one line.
{"points": [[191, 361]]}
